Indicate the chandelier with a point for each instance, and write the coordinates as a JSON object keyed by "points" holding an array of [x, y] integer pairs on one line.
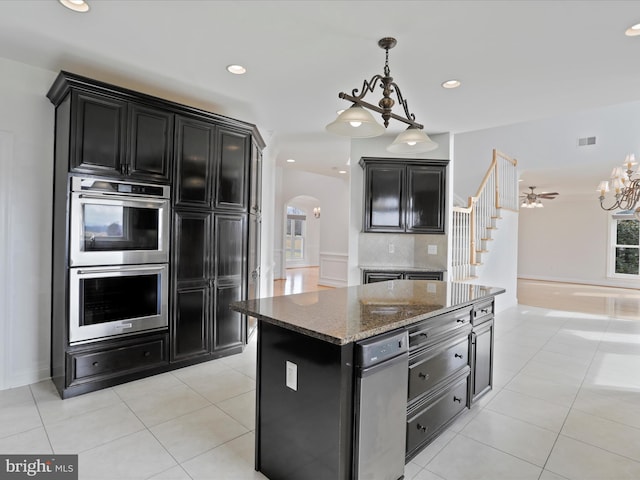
{"points": [[626, 188], [356, 122]]}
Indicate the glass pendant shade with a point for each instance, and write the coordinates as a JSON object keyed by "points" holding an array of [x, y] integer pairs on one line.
{"points": [[356, 122], [412, 140]]}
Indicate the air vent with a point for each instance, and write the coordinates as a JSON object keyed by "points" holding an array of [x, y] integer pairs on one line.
{"points": [[586, 141]]}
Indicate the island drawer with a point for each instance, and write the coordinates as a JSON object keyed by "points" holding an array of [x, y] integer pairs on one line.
{"points": [[482, 312], [422, 334], [432, 365], [427, 422], [89, 365]]}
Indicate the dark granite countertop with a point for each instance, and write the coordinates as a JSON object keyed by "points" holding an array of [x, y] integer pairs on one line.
{"points": [[345, 315]]}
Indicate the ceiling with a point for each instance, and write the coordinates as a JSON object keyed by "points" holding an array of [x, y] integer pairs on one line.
{"points": [[517, 60]]}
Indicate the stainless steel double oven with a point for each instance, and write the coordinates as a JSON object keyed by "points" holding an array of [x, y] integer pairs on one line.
{"points": [[118, 258]]}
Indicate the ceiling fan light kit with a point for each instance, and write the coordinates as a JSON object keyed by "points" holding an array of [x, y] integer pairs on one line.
{"points": [[357, 122], [626, 188], [532, 199]]}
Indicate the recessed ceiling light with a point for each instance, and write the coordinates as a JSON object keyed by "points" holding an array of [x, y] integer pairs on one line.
{"points": [[451, 84], [633, 30], [290, 160], [76, 5], [236, 69], [342, 171]]}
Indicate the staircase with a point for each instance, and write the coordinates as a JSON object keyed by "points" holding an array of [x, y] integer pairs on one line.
{"points": [[474, 226]]}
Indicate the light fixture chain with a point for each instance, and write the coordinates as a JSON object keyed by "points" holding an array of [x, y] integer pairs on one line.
{"points": [[387, 70]]}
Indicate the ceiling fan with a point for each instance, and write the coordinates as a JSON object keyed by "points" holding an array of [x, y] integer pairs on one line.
{"points": [[532, 199]]}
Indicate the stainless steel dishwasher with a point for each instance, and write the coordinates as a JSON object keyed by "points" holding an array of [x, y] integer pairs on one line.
{"points": [[382, 365]]}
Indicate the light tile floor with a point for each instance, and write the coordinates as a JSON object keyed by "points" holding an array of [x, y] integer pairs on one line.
{"points": [[566, 405]]}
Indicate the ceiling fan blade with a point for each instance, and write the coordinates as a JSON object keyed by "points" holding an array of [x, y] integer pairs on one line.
{"points": [[548, 193]]}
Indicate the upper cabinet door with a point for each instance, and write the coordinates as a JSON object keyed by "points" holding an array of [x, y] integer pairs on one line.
{"points": [[99, 132], [425, 198], [150, 143], [384, 204], [194, 154], [232, 186]]}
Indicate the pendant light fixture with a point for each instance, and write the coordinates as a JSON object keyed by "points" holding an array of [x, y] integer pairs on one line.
{"points": [[357, 122]]}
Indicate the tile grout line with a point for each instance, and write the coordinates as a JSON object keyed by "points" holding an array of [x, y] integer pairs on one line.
{"points": [[574, 398]]}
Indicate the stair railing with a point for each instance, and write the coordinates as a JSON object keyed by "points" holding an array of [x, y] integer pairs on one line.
{"points": [[471, 225]]}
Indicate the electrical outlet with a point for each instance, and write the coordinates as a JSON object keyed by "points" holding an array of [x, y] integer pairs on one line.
{"points": [[432, 249], [292, 376], [392, 248]]}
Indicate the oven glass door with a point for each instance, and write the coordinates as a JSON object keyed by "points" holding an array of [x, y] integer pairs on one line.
{"points": [[111, 230], [110, 301]]}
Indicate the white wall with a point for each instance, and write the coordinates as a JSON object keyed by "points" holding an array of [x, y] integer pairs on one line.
{"points": [[376, 147], [26, 182], [565, 241]]}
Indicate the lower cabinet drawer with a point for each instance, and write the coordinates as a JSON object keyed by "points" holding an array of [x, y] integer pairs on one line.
{"points": [[427, 422], [116, 360], [482, 312], [424, 333], [432, 366]]}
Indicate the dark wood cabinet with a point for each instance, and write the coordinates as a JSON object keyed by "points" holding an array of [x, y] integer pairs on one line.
{"points": [[255, 235], [117, 138], [230, 268], [404, 196], [232, 175], [194, 159], [150, 146], [210, 274], [425, 201], [372, 276], [212, 164], [212, 180], [191, 318], [481, 350], [384, 198], [98, 134]]}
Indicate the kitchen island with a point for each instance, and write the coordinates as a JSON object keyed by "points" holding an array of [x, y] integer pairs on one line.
{"points": [[306, 379]]}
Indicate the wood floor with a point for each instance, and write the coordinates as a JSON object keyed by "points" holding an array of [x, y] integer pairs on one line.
{"points": [[616, 302], [298, 280]]}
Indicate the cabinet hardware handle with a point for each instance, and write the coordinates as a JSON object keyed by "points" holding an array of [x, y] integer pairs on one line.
{"points": [[146, 354], [484, 310], [423, 335], [421, 427], [424, 376], [457, 355], [95, 364], [457, 399], [460, 320]]}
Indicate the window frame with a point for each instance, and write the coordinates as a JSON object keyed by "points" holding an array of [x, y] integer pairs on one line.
{"points": [[289, 218], [613, 245]]}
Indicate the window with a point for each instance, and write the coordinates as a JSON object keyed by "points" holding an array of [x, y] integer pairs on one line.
{"points": [[294, 239], [626, 244]]}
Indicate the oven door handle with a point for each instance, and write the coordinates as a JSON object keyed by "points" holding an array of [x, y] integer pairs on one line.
{"points": [[133, 269], [110, 198]]}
